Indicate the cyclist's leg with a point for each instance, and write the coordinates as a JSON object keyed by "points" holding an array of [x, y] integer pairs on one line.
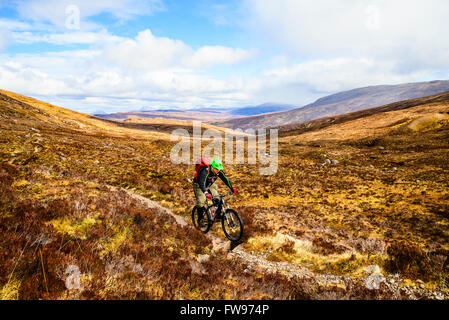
{"points": [[214, 189], [200, 198]]}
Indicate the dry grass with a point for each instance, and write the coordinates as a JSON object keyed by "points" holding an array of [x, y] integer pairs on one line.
{"points": [[57, 209], [385, 203]]}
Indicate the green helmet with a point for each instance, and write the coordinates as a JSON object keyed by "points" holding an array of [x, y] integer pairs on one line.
{"points": [[216, 163]]}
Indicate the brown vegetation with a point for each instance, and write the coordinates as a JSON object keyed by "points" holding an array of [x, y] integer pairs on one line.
{"points": [[385, 202]]}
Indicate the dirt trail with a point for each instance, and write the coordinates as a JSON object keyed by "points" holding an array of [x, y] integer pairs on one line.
{"points": [[153, 204], [374, 286], [225, 245]]}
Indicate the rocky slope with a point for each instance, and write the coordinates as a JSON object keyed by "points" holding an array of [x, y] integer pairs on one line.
{"points": [[340, 103]]}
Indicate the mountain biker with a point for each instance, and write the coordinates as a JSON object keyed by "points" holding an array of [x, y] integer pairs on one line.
{"points": [[204, 181]]}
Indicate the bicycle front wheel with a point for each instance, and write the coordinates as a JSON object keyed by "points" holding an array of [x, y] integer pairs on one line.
{"points": [[203, 224], [232, 225]]}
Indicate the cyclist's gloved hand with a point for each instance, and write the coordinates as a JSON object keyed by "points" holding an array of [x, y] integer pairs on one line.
{"points": [[234, 190], [209, 196]]}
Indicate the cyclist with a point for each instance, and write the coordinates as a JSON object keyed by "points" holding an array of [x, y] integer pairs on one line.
{"points": [[204, 181]]}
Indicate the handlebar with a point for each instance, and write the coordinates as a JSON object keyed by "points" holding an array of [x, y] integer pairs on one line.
{"points": [[222, 195]]}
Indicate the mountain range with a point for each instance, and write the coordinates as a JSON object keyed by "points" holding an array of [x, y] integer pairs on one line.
{"points": [[205, 114], [339, 103]]}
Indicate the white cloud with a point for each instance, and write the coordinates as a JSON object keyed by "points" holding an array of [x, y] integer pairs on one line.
{"points": [[406, 29], [147, 70], [54, 11], [147, 51], [74, 37], [4, 35], [26, 79], [210, 55], [314, 48], [10, 24], [303, 82], [341, 73], [327, 46], [114, 72]]}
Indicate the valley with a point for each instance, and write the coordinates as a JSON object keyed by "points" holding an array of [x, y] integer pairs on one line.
{"points": [[355, 198]]}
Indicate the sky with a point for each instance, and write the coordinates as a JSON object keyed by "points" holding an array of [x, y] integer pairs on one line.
{"points": [[128, 55]]}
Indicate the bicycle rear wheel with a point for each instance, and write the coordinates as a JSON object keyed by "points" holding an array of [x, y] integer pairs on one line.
{"points": [[232, 225], [203, 225]]}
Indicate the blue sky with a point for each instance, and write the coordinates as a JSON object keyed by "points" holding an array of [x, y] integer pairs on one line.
{"points": [[123, 55]]}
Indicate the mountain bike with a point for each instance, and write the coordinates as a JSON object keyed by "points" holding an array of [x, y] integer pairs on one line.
{"points": [[231, 221]]}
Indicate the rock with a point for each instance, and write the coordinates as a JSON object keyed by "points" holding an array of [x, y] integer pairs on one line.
{"points": [[327, 161], [381, 148], [203, 258], [223, 247], [137, 268], [43, 240], [374, 281], [197, 267], [373, 269]]}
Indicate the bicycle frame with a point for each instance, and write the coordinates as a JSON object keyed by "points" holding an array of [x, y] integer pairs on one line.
{"points": [[218, 205]]}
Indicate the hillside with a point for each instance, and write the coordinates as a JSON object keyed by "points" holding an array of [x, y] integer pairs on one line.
{"points": [[340, 103], [65, 202], [357, 210], [29, 111], [203, 114], [183, 115], [163, 125], [335, 121], [261, 109]]}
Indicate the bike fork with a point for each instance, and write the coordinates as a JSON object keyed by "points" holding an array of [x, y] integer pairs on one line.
{"points": [[231, 218]]}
